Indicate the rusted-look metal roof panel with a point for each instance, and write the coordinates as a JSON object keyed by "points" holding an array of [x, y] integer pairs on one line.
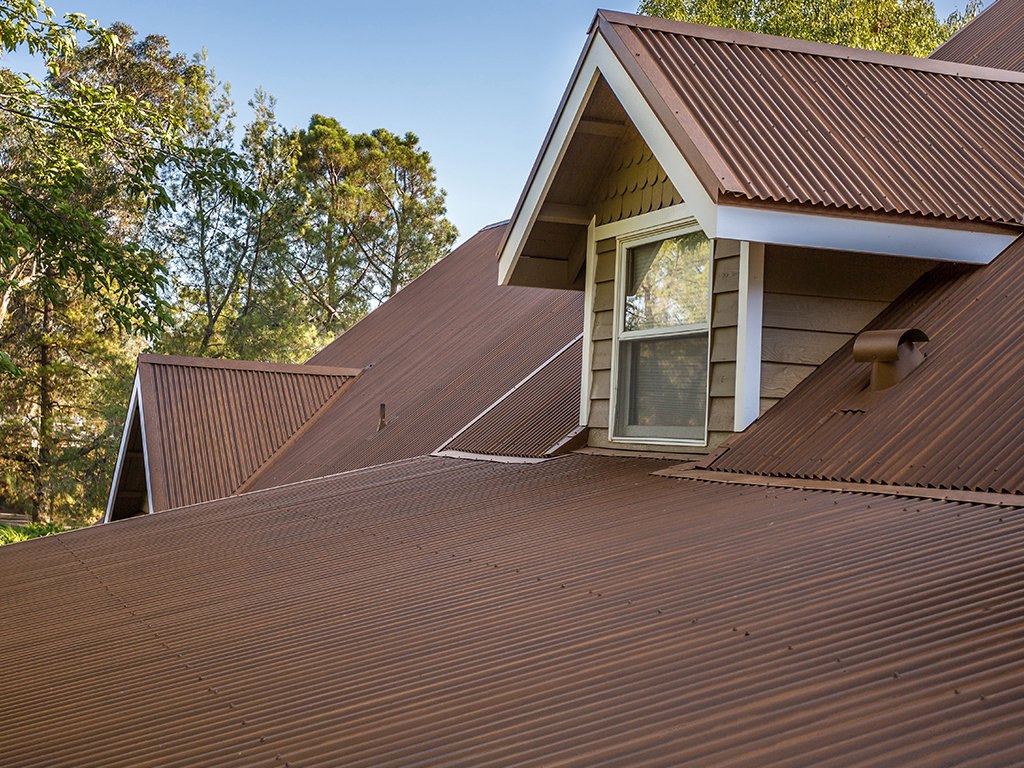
{"points": [[210, 424], [954, 421], [577, 612], [995, 38], [436, 354], [533, 419], [808, 124]]}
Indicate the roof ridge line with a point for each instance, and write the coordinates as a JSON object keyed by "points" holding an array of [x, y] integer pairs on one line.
{"points": [[813, 48], [186, 361], [989, 498]]}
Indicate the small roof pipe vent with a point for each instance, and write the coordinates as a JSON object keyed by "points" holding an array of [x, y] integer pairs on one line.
{"points": [[893, 353]]}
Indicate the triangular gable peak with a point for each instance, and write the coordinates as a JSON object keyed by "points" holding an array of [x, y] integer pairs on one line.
{"points": [[761, 140], [200, 429]]}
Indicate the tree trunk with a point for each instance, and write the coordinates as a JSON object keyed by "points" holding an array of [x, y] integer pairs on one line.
{"points": [[40, 495]]}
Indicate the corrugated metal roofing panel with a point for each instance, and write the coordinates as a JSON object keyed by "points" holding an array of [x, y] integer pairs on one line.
{"points": [[210, 424], [817, 125], [437, 354], [576, 612], [532, 420], [954, 422], [995, 38]]}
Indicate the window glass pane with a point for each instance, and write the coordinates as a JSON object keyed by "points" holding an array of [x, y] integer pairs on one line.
{"points": [[663, 387], [667, 283]]}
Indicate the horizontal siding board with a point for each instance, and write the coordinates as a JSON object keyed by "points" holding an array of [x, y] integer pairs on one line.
{"points": [[725, 310], [727, 274], [723, 379], [778, 380], [783, 345], [723, 345], [809, 272], [815, 313]]}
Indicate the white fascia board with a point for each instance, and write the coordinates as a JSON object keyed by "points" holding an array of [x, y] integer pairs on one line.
{"points": [[565, 125], [860, 235], [600, 60], [133, 402]]}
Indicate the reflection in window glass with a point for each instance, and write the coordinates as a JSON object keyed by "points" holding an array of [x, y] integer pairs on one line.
{"points": [[666, 381], [667, 283]]}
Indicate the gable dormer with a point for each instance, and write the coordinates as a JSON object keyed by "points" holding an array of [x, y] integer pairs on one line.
{"points": [[734, 216]]}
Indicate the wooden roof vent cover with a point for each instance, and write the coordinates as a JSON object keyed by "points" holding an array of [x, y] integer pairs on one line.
{"points": [[893, 353]]}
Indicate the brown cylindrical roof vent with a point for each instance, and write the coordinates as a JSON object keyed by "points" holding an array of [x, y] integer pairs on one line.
{"points": [[893, 353]]}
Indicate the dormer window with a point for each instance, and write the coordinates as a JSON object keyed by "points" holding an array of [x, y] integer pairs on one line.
{"points": [[661, 345]]}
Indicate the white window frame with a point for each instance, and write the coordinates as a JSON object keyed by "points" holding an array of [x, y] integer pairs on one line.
{"points": [[622, 244]]}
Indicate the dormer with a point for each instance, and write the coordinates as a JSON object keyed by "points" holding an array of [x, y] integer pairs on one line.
{"points": [[736, 207]]}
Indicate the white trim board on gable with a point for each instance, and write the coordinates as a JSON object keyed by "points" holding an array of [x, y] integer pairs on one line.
{"points": [[735, 222]]}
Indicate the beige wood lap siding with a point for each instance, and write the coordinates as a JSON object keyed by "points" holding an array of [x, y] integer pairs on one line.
{"points": [[814, 302]]}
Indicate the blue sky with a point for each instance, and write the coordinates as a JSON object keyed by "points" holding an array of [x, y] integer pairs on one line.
{"points": [[478, 82]]}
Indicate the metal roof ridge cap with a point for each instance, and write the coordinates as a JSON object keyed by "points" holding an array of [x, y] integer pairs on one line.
{"points": [[810, 47], [222, 364], [989, 498], [715, 167]]}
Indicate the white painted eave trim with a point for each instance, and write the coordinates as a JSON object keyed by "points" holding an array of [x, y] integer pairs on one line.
{"points": [[135, 401], [600, 60], [837, 233]]}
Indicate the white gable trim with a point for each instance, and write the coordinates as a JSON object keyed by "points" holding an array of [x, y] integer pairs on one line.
{"points": [[734, 222], [860, 235], [589, 287], [748, 336], [134, 403], [600, 60]]}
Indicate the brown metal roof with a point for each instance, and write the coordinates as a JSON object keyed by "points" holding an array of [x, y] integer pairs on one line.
{"points": [[209, 424], [576, 612], [771, 120], [995, 38], [437, 354], [954, 422], [534, 419]]}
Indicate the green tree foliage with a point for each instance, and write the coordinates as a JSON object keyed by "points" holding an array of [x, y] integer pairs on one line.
{"points": [[373, 219], [134, 216], [12, 535], [897, 26], [231, 263]]}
